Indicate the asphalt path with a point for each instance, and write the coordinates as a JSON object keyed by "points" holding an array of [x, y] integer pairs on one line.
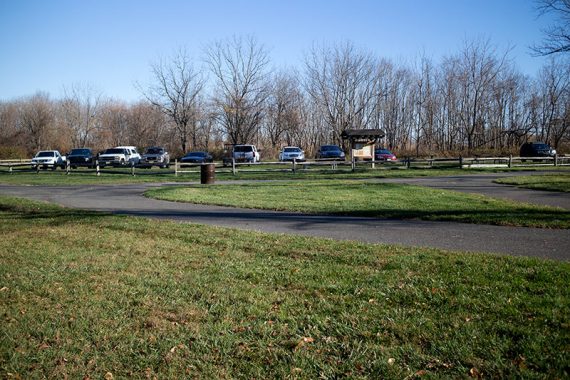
{"points": [[518, 241], [483, 184]]}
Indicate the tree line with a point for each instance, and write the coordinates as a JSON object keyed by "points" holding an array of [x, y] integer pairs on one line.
{"points": [[472, 102]]}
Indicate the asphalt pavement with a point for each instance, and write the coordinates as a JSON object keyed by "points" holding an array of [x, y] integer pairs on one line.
{"points": [[518, 241], [483, 184]]}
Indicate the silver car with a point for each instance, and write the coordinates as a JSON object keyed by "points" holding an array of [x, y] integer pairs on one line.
{"points": [[290, 153]]}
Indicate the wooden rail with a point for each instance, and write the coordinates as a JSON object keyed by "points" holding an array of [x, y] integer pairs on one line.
{"points": [[303, 166]]}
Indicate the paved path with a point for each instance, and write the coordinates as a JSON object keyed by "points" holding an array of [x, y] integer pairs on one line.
{"points": [[128, 200], [483, 184]]}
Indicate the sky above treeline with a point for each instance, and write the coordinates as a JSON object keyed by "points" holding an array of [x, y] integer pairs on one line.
{"points": [[110, 44]]}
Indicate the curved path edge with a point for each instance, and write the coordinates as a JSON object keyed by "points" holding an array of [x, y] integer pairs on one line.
{"points": [[129, 200]]}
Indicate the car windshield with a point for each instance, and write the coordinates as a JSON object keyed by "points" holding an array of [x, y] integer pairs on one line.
{"points": [[541, 146], [292, 150], [329, 148], [80, 152], [154, 151], [383, 151], [196, 154], [45, 154], [114, 151], [243, 148]]}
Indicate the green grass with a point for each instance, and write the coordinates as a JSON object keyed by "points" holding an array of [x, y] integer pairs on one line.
{"points": [[382, 200], [88, 177], [88, 295], [123, 176], [549, 182]]}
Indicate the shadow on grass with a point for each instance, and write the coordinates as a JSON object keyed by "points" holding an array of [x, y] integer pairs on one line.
{"points": [[517, 217], [13, 209]]}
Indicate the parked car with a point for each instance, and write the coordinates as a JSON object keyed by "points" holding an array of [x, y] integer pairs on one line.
{"points": [[241, 153], [197, 158], [48, 159], [119, 156], [330, 152], [81, 157], [290, 153], [382, 154], [155, 155], [134, 156], [537, 149]]}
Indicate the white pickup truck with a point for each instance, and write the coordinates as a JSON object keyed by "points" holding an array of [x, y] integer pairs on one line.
{"points": [[119, 156], [48, 159]]}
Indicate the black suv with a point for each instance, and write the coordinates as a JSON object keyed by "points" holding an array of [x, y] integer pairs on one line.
{"points": [[536, 149], [81, 157]]}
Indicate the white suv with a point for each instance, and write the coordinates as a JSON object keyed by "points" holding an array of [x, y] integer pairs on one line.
{"points": [[120, 156], [246, 153], [48, 158]]}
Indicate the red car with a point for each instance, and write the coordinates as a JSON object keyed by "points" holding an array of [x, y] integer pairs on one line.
{"points": [[384, 155]]}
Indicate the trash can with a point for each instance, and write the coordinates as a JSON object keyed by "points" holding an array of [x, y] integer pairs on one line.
{"points": [[207, 174]]}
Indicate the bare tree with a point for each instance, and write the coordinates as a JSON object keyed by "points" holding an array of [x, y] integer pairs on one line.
{"points": [[343, 81], [80, 110], [9, 123], [147, 125], [283, 114], [115, 124], [557, 36], [35, 118], [394, 104], [176, 90], [553, 91], [240, 70], [479, 69]]}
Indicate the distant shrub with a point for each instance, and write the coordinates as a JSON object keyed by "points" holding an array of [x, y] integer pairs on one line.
{"points": [[12, 152]]}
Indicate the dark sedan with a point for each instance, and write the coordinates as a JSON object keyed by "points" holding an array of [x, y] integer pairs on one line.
{"points": [[330, 152], [81, 157], [197, 158]]}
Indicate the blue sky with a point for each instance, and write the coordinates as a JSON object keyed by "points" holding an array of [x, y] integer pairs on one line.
{"points": [[109, 44]]}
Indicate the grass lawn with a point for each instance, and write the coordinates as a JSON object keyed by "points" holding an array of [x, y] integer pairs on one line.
{"points": [[119, 175], [383, 200], [549, 182], [88, 295]]}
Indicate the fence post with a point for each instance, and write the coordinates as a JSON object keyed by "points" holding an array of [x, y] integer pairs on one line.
{"points": [[97, 170], [67, 167], [460, 162], [233, 166], [176, 167], [431, 162], [133, 168], [10, 170], [408, 162], [294, 164], [555, 159], [37, 169], [353, 163]]}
